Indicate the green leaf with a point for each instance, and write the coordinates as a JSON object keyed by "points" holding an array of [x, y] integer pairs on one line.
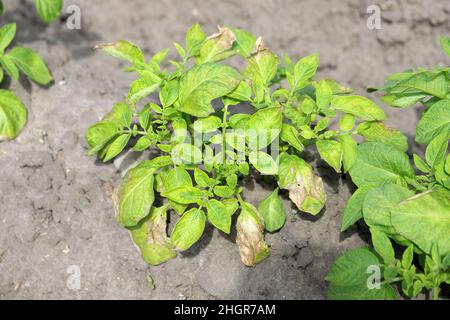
{"points": [[346, 122], [407, 257], [186, 153], [447, 164], [436, 150], [243, 92], [306, 189], [49, 10], [218, 215], [383, 246], [378, 131], [272, 211], [245, 42], [208, 124], [358, 106], [424, 220], [304, 70], [436, 120], [354, 209], [250, 236], [231, 205], [183, 195], [203, 83], [202, 179], [217, 47], [8, 64], [421, 164], [7, 34], [223, 191], [331, 151], [263, 127], [349, 277], [378, 164], [120, 115], [290, 135], [117, 146], [169, 93], [194, 39], [263, 162], [151, 239], [323, 94], [445, 44], [100, 134], [31, 64], [143, 87], [13, 115], [143, 143], [378, 204], [189, 229], [135, 195], [232, 180], [349, 151], [123, 50]]}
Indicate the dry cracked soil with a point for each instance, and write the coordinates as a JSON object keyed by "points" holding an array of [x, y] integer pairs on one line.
{"points": [[55, 202]]}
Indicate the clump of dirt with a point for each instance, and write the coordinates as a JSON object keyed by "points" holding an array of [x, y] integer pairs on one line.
{"points": [[56, 211]]}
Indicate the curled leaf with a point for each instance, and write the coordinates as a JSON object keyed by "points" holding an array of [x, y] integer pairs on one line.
{"points": [[151, 238], [250, 237], [306, 189], [217, 47]]}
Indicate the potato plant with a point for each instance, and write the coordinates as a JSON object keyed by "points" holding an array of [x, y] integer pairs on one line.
{"points": [[401, 203], [13, 113], [205, 148], [48, 10]]}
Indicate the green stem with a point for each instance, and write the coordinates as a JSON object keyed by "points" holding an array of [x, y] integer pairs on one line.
{"points": [[436, 293], [224, 128]]}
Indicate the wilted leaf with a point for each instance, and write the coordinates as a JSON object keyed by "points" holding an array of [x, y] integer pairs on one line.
{"points": [[217, 47], [151, 238], [306, 189], [250, 236]]}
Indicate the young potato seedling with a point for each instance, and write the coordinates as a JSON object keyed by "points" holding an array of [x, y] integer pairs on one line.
{"points": [[207, 148], [400, 203], [13, 114]]}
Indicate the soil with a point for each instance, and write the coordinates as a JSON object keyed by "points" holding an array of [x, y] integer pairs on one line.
{"points": [[56, 208]]}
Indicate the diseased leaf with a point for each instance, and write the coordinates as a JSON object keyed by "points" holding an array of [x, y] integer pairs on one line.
{"points": [[123, 50], [189, 229], [217, 47], [151, 239], [134, 197], [31, 64], [13, 115], [203, 83], [272, 211], [378, 131], [379, 164], [347, 122], [358, 106], [290, 135], [250, 236], [261, 68], [306, 189]]}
